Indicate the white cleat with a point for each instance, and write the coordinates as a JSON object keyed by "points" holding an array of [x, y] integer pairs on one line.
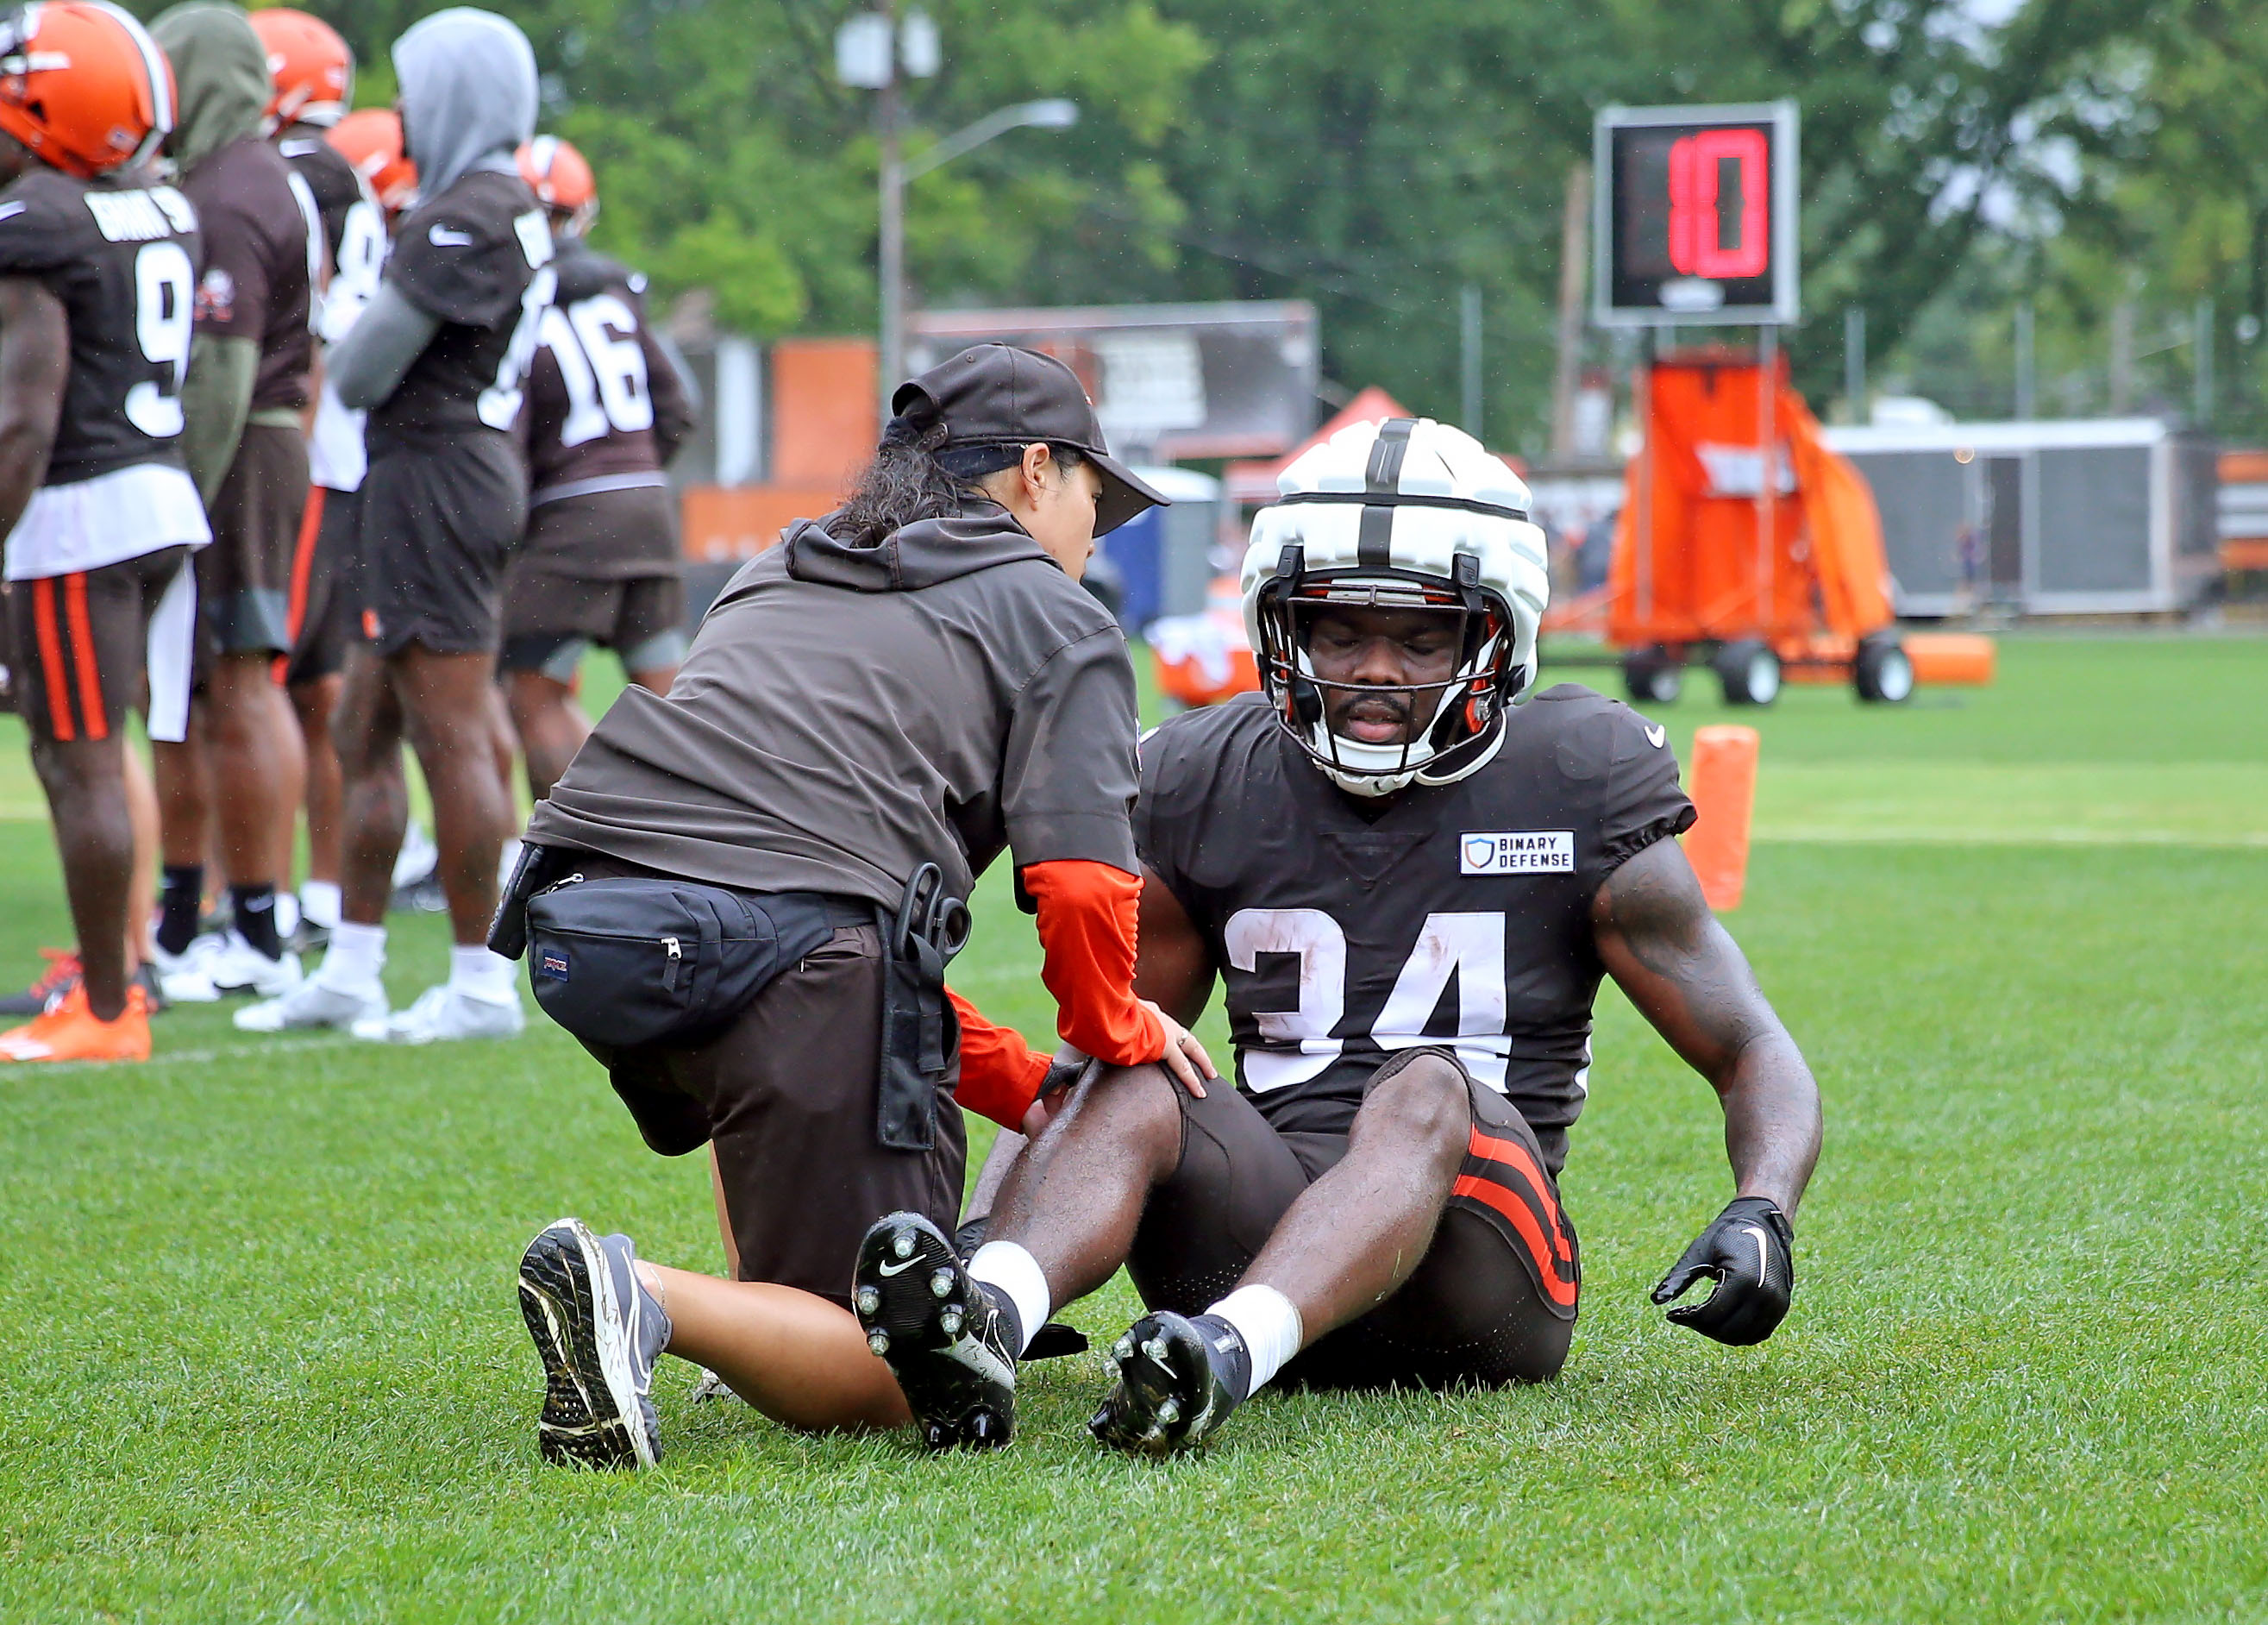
{"points": [[315, 1003], [417, 858], [236, 966], [713, 1390], [444, 1014], [186, 978]]}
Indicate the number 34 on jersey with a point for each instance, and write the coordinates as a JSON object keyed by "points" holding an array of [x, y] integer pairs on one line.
{"points": [[1466, 947]]}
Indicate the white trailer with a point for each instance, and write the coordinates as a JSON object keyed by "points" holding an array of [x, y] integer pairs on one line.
{"points": [[2105, 516]]}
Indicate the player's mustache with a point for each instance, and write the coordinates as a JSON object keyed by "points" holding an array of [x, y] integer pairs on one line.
{"points": [[1382, 706]]}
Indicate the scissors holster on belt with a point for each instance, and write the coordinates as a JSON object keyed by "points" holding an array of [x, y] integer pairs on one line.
{"points": [[921, 1038]]}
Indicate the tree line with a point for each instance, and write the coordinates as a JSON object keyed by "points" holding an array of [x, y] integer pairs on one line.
{"points": [[2105, 161]]}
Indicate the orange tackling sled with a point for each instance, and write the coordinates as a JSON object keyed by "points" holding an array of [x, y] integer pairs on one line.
{"points": [[1765, 564]]}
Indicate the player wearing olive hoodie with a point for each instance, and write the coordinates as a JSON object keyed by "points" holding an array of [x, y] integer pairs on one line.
{"points": [[248, 383]]}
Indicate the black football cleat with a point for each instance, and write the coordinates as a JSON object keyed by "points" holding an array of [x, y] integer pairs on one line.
{"points": [[1178, 1379], [947, 1340]]}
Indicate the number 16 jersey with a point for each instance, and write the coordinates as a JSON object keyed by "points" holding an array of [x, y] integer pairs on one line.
{"points": [[1457, 915]]}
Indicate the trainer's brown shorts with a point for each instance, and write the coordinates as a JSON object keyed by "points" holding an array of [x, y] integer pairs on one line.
{"points": [[786, 1095], [79, 644], [1492, 1301], [244, 579]]}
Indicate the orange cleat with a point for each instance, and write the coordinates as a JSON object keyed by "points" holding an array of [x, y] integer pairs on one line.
{"points": [[61, 976], [71, 1031]]}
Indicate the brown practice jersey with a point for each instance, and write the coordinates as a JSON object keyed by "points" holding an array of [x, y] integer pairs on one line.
{"points": [[354, 244], [1457, 914], [123, 258], [606, 412], [263, 251], [478, 258], [337, 189]]}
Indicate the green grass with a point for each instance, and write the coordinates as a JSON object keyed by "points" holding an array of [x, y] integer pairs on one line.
{"points": [[263, 1360]]}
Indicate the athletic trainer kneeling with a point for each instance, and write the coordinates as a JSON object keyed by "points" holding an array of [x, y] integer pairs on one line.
{"points": [[1413, 887], [741, 896]]}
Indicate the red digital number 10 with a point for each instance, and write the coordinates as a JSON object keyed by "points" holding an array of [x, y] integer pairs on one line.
{"points": [[1695, 244]]}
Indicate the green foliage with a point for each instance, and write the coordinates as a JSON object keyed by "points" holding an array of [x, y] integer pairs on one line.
{"points": [[1378, 162]]}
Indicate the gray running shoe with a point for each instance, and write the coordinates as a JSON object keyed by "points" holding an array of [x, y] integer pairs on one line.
{"points": [[598, 1332]]}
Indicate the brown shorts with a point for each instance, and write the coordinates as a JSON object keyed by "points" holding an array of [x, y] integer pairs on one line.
{"points": [[244, 579], [548, 620], [326, 618], [437, 523], [1492, 1301], [787, 1097], [82, 640]]}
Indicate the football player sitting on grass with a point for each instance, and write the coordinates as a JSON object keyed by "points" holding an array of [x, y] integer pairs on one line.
{"points": [[1413, 886]]}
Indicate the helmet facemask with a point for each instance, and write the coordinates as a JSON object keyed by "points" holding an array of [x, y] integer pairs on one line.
{"points": [[1464, 711]]}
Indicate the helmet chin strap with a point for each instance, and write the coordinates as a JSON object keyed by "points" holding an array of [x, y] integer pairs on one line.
{"points": [[1466, 757], [1481, 750]]}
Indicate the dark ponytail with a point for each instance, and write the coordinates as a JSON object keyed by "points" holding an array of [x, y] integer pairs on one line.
{"points": [[903, 484], [915, 476]]}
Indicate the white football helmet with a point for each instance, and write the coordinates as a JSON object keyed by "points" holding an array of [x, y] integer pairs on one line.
{"points": [[1406, 513]]}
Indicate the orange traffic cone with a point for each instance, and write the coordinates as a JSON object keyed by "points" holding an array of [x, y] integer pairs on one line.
{"points": [[1723, 786]]}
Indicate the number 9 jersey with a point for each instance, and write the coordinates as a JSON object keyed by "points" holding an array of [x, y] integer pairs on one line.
{"points": [[123, 259], [1457, 915]]}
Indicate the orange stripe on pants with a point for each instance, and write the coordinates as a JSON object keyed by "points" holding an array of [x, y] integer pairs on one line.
{"points": [[303, 559], [1558, 1290], [1554, 1253], [303, 570], [89, 670], [51, 658]]}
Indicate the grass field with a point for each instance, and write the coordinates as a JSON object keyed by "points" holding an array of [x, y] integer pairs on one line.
{"points": [[262, 1362]]}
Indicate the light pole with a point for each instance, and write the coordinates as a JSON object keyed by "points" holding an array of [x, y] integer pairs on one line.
{"points": [[864, 58]]}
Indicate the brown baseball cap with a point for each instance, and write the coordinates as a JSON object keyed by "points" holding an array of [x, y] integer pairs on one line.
{"points": [[997, 394]]}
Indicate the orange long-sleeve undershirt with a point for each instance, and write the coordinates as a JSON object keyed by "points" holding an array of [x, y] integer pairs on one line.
{"points": [[1087, 914], [1000, 1074]]}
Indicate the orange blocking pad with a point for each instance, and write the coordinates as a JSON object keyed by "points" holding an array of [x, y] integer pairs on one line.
{"points": [[1951, 657], [1691, 561], [1723, 785]]}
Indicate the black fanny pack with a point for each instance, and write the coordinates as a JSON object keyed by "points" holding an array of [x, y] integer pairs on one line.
{"points": [[647, 959], [623, 963]]}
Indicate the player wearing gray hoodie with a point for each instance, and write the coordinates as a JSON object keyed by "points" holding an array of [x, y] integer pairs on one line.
{"points": [[437, 360]]}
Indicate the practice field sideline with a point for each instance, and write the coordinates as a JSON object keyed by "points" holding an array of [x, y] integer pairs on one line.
{"points": [[264, 1359]]}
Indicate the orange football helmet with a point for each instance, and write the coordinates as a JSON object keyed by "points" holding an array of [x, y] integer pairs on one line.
{"points": [[83, 85], [370, 140], [312, 67], [562, 181]]}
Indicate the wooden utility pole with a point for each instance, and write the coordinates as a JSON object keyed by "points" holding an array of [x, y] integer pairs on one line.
{"points": [[1574, 266], [891, 255]]}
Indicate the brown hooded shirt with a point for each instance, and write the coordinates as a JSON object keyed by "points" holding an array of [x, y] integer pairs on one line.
{"points": [[847, 713]]}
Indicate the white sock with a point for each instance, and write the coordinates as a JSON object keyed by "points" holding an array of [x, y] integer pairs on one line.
{"points": [[1004, 1265], [319, 903], [356, 957], [1269, 1326], [479, 974]]}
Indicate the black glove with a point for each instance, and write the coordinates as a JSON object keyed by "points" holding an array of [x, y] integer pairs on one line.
{"points": [[1749, 1252]]}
